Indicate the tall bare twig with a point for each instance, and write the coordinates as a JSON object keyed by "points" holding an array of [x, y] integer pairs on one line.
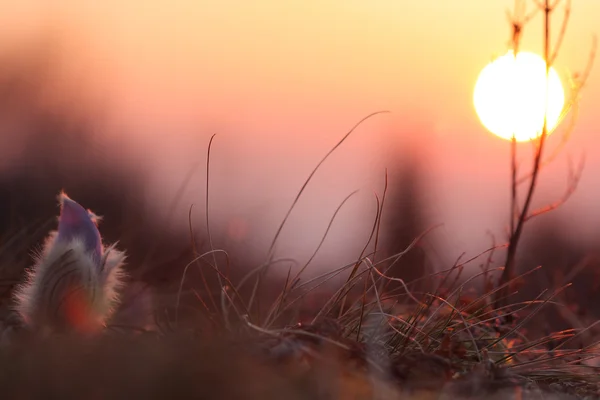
{"points": [[517, 231], [518, 218]]}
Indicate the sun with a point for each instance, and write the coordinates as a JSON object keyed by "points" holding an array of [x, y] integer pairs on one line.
{"points": [[510, 96]]}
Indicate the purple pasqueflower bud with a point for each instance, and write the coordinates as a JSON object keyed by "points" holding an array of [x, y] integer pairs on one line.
{"points": [[75, 282], [77, 222]]}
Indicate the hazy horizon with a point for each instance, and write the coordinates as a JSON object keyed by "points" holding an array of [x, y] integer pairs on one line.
{"points": [[281, 82]]}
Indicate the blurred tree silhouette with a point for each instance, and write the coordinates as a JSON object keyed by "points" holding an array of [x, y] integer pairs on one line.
{"points": [[405, 220]]}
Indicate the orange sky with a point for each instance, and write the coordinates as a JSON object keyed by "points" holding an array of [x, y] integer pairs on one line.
{"points": [[281, 81]]}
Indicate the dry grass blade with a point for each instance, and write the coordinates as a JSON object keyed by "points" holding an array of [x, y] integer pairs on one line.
{"points": [[181, 282], [283, 295], [271, 250], [310, 176], [208, 233]]}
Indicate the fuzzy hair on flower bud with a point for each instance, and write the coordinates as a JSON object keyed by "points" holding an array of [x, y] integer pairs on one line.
{"points": [[74, 283]]}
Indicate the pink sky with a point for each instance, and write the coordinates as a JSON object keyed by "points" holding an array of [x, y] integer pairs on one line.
{"points": [[281, 82]]}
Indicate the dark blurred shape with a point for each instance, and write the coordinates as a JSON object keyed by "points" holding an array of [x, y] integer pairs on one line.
{"points": [[564, 259], [404, 220]]}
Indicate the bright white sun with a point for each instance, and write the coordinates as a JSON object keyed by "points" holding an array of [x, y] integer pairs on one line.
{"points": [[510, 96]]}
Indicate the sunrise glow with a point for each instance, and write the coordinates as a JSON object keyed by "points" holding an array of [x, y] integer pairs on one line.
{"points": [[510, 96]]}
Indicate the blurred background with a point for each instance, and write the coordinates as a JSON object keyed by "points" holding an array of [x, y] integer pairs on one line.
{"points": [[115, 102]]}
